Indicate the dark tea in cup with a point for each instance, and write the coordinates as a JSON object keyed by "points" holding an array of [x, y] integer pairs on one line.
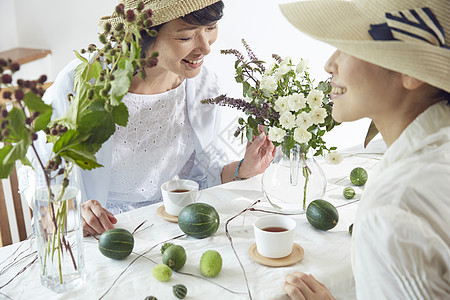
{"points": [[274, 229], [180, 191]]}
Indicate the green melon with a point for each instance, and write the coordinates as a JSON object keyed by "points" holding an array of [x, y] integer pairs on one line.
{"points": [[358, 176], [199, 220], [116, 243], [322, 214], [180, 291], [348, 193], [174, 257]]}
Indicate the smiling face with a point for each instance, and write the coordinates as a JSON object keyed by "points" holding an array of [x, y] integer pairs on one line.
{"points": [[182, 48], [361, 89]]}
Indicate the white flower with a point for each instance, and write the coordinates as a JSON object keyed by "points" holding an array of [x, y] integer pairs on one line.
{"points": [[287, 120], [269, 83], [314, 98], [296, 102], [334, 158], [281, 104], [301, 66], [301, 135], [276, 134], [318, 115], [282, 69], [269, 69], [303, 120]]}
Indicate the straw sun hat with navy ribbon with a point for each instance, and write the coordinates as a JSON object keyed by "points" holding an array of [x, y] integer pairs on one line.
{"points": [[163, 10], [408, 36]]}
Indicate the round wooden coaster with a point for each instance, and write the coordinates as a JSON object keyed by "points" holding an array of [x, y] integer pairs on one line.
{"points": [[295, 256], [163, 214]]}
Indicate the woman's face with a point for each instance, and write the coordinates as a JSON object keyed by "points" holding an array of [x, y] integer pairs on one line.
{"points": [[182, 47], [361, 89]]}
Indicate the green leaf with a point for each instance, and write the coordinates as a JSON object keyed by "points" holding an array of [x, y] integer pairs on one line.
{"points": [[5, 168], [125, 64], [35, 104], [80, 57], [101, 134], [94, 71], [120, 86], [83, 159], [90, 120], [16, 119], [71, 138], [80, 75], [26, 162], [249, 134], [18, 152], [120, 114], [245, 87]]}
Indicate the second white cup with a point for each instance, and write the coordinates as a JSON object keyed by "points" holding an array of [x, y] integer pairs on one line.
{"points": [[274, 236], [177, 194]]}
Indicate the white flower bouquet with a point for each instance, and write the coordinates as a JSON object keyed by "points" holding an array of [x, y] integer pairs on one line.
{"points": [[284, 99]]}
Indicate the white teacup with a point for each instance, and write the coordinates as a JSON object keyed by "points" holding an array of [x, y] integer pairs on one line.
{"points": [[177, 194], [274, 235]]}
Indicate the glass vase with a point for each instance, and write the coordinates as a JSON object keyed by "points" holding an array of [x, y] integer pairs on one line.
{"points": [[58, 228], [291, 182]]}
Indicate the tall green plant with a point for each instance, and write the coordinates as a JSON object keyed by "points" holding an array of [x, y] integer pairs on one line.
{"points": [[101, 80]]}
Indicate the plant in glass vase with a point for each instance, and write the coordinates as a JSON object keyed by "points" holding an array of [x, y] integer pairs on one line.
{"points": [[102, 78], [295, 112]]}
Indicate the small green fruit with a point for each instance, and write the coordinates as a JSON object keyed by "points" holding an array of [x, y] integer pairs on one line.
{"points": [[162, 272], [358, 176], [151, 298], [180, 291], [350, 229], [174, 257], [210, 263], [349, 193]]}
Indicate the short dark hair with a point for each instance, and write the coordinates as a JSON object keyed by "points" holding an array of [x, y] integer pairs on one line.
{"points": [[202, 17]]}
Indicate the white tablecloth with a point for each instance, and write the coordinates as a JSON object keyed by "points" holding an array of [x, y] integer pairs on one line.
{"points": [[327, 254]]}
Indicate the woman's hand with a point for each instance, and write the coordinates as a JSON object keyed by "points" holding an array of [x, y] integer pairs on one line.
{"points": [[305, 287], [96, 219], [258, 156]]}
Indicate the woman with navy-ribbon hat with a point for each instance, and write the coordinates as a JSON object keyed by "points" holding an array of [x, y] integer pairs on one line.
{"points": [[392, 64]]}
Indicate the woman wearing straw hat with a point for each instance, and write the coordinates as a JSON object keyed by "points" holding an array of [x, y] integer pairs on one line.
{"points": [[169, 132], [392, 65]]}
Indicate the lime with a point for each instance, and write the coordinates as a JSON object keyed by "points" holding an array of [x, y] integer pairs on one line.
{"points": [[349, 193], [162, 272], [210, 263], [358, 176], [174, 257]]}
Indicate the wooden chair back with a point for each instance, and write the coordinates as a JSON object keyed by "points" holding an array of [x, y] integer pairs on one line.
{"points": [[15, 216]]}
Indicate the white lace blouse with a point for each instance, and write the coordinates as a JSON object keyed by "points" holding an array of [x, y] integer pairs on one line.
{"points": [[156, 145]]}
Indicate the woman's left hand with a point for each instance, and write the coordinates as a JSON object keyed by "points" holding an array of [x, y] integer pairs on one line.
{"points": [[305, 287], [258, 156]]}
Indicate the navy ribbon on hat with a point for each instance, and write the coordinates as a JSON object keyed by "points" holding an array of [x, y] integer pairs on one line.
{"points": [[414, 25]]}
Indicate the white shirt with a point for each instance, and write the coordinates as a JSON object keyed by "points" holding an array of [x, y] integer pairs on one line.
{"points": [[156, 145], [401, 236], [204, 120]]}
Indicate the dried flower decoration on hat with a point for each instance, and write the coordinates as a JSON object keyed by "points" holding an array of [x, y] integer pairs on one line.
{"points": [[284, 99], [163, 10]]}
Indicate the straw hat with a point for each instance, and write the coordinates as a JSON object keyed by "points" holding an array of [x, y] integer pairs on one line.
{"points": [[163, 10], [408, 36]]}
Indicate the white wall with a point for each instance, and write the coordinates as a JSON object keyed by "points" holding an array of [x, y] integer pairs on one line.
{"points": [[66, 25]]}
